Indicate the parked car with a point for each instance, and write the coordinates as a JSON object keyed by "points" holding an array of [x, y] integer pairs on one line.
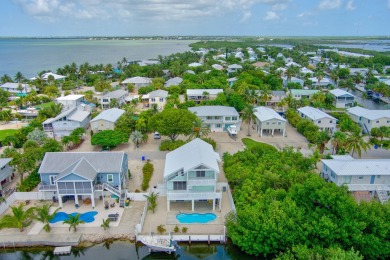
{"points": [[157, 135]]}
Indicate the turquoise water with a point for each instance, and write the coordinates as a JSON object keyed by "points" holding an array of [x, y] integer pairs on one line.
{"points": [[87, 217], [195, 217], [31, 56]]}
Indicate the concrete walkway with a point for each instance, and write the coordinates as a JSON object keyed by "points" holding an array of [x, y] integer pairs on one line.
{"points": [[65, 239]]}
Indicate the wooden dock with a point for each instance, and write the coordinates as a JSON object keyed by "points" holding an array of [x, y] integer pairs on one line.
{"points": [[62, 250]]}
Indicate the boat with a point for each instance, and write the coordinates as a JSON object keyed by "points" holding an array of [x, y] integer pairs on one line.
{"points": [[30, 111], [232, 130], [159, 244]]}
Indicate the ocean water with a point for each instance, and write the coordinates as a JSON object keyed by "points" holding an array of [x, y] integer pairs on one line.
{"points": [[31, 56]]}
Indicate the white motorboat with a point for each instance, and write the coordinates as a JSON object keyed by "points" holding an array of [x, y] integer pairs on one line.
{"points": [[232, 130], [159, 244], [31, 111]]}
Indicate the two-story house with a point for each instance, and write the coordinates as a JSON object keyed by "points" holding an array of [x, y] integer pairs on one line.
{"points": [[199, 95], [118, 95], [70, 101], [369, 119], [218, 118], [157, 97], [191, 174], [138, 82], [81, 175], [6, 172], [321, 119], [343, 99], [372, 175], [173, 82], [268, 120], [17, 88], [106, 120], [299, 94]]}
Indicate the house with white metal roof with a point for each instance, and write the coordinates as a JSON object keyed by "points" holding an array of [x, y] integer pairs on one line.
{"points": [[217, 67], [16, 88], [233, 68], [372, 175], [118, 95], [199, 95], [106, 120], [306, 71], [343, 99], [82, 175], [195, 64], [218, 118], [369, 119], [173, 82], [137, 81], [66, 122], [6, 173], [45, 76], [70, 101], [299, 94], [321, 119], [292, 79], [191, 174], [324, 82], [158, 97], [268, 121]]}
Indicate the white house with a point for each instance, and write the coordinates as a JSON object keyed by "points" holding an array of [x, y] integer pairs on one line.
{"points": [[6, 173], [106, 120], [45, 76], [118, 95], [372, 175], [191, 174], [293, 63], [138, 81], [16, 88], [158, 97], [66, 122], [299, 94], [173, 82], [322, 83], [198, 95], [293, 79], [218, 118], [368, 119], [343, 99], [321, 119], [70, 101], [306, 71], [195, 64], [217, 67], [233, 68], [269, 120]]}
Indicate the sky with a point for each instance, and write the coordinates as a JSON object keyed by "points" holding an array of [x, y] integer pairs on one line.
{"points": [[51, 18]]}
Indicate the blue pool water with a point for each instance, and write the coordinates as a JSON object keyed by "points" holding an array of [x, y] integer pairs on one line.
{"points": [[195, 217], [87, 217]]}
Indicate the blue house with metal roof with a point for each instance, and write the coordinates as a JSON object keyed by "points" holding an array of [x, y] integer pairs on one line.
{"points": [[84, 175]]}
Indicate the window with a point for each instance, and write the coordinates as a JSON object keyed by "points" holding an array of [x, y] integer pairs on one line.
{"points": [[347, 180], [267, 123], [110, 178], [228, 118], [161, 99], [217, 117], [388, 121], [332, 175], [209, 117], [368, 121], [360, 178], [319, 121], [235, 119], [52, 179], [279, 123], [200, 174], [377, 121], [179, 185], [153, 99], [330, 121], [218, 126]]}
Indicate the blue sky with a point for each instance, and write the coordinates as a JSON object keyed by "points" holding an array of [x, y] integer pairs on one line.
{"points": [[194, 17]]}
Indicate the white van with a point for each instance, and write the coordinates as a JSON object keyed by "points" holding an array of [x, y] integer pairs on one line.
{"points": [[157, 135]]}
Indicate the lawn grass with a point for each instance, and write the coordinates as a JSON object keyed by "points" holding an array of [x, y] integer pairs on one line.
{"points": [[250, 144], [48, 104], [7, 132]]}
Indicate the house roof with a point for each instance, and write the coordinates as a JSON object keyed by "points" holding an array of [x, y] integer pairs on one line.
{"points": [[339, 92], [61, 115], [304, 92], [201, 91], [13, 85], [158, 93], [173, 82], [359, 167], [322, 81], [217, 66], [137, 80], [314, 113], [369, 114], [265, 114], [4, 161], [214, 111], [195, 64], [82, 168], [232, 79], [234, 66], [70, 97], [116, 94], [79, 115], [107, 162], [110, 115], [195, 153]]}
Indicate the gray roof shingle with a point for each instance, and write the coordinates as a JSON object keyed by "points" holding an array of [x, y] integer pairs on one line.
{"points": [[110, 115]]}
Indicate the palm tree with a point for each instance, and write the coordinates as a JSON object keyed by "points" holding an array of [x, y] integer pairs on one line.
{"points": [[152, 200], [247, 115], [355, 142], [338, 142], [200, 128], [43, 215], [5, 78], [265, 96], [20, 219], [106, 224], [335, 77], [73, 221], [321, 141], [136, 137], [19, 77], [319, 75]]}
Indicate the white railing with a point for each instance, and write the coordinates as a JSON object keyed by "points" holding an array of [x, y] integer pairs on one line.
{"points": [[140, 225], [9, 201], [42, 187], [194, 182], [111, 189], [367, 187], [193, 195], [75, 191], [230, 198], [137, 196]]}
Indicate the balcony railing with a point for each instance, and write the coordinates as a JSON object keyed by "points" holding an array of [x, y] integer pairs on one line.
{"points": [[75, 191], [367, 187], [42, 187], [199, 181], [184, 195]]}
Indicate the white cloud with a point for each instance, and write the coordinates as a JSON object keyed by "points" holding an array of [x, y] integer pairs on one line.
{"points": [[279, 7], [271, 16], [388, 3], [305, 14], [329, 4], [246, 16], [350, 6]]}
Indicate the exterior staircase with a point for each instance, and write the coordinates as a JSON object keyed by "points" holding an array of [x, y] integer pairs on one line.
{"points": [[382, 195], [122, 194], [111, 189]]}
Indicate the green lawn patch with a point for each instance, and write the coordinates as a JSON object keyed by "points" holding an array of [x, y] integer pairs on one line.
{"points": [[250, 144], [48, 104], [7, 132]]}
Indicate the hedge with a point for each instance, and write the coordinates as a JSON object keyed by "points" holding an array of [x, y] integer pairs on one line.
{"points": [[30, 182], [168, 145], [147, 171]]}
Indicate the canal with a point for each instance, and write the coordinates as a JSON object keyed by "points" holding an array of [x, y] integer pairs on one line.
{"points": [[368, 103]]}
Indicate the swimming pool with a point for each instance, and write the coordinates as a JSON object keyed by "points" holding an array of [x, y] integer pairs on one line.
{"points": [[195, 217], [87, 217]]}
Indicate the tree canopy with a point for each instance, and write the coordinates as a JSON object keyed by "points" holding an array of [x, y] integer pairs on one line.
{"points": [[109, 138]]}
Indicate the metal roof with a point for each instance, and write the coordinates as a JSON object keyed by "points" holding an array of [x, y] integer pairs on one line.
{"points": [[173, 82], [116, 94], [359, 167], [4, 161], [314, 113], [214, 111], [110, 115], [81, 168], [369, 114], [107, 162], [339, 92], [79, 116], [195, 153], [70, 97], [137, 80], [234, 66], [305, 92], [265, 114], [61, 115], [158, 93], [201, 91]]}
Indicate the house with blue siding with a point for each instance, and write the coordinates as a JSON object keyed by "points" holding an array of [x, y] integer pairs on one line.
{"points": [[84, 175], [191, 174]]}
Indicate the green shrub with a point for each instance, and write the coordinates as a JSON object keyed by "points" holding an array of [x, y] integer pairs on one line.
{"points": [[176, 229], [168, 145], [30, 182], [161, 229], [184, 230], [210, 141], [147, 171]]}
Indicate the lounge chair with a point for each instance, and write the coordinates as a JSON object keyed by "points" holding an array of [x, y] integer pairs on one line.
{"points": [[113, 219], [116, 215]]}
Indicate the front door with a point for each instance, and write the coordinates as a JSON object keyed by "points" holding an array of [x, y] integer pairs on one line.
{"points": [[372, 181]]}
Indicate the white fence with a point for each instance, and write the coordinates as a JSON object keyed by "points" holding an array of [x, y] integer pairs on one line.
{"points": [[140, 225], [230, 198], [134, 196], [24, 196]]}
